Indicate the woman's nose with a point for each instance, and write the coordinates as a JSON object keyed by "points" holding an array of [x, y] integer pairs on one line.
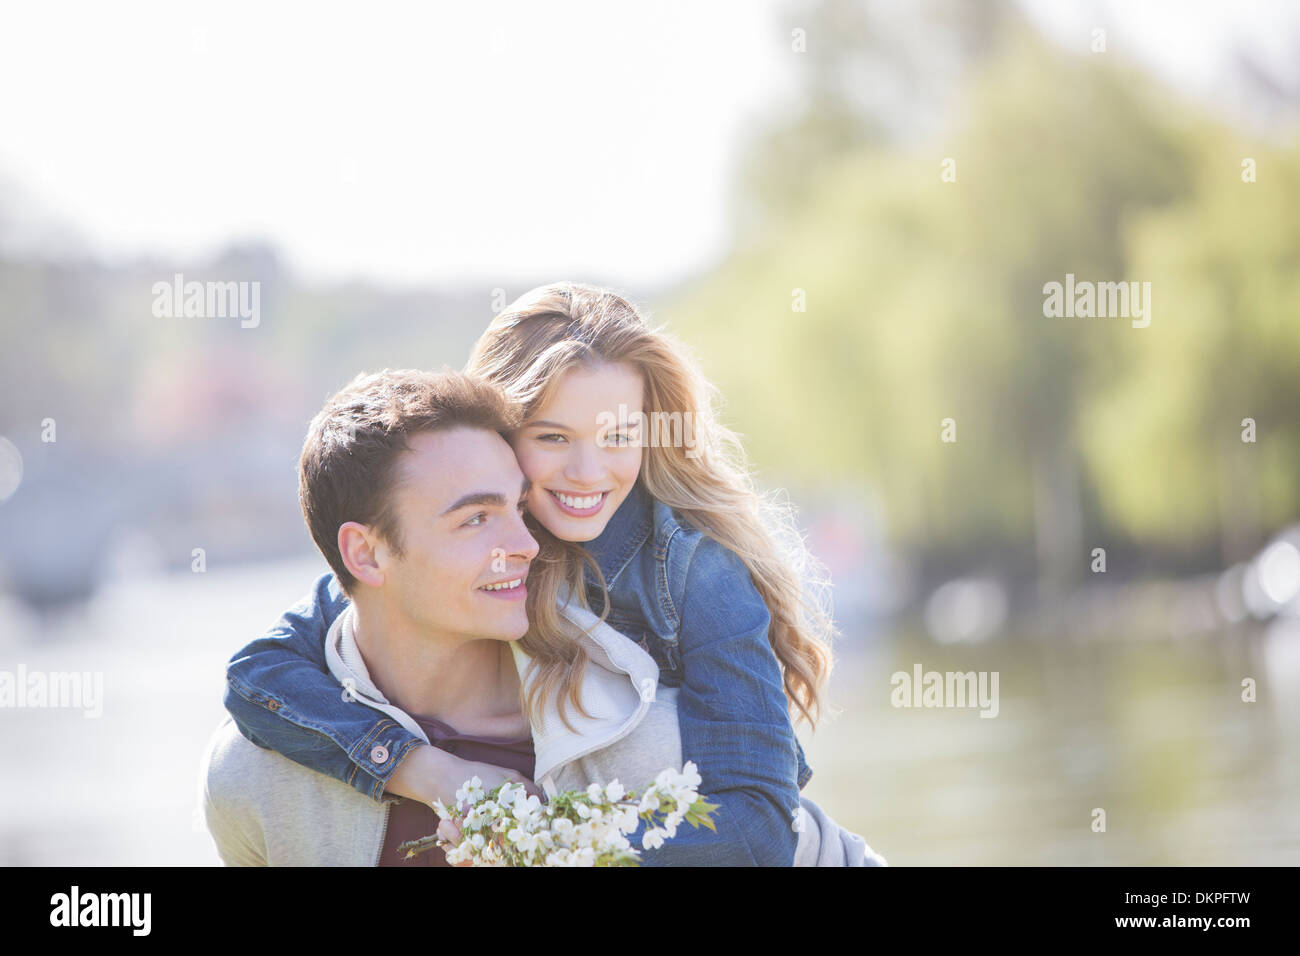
{"points": [[584, 465]]}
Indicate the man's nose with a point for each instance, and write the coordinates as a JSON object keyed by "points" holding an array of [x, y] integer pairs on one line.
{"points": [[522, 544]]}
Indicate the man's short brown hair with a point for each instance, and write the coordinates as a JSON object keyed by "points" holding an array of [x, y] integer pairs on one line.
{"points": [[348, 465]]}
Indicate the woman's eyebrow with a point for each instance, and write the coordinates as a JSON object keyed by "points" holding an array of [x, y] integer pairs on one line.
{"points": [[545, 424]]}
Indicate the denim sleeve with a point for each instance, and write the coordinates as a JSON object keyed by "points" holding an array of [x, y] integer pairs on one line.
{"points": [[734, 721], [281, 695]]}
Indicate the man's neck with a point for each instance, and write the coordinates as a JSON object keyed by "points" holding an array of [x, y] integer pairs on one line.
{"points": [[461, 681]]}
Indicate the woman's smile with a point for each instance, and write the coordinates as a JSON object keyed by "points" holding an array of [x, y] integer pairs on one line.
{"points": [[579, 506]]}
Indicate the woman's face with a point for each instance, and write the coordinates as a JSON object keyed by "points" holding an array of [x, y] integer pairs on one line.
{"points": [[577, 450]]}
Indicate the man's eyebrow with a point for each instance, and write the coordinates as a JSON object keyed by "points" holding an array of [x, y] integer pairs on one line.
{"points": [[492, 498]]}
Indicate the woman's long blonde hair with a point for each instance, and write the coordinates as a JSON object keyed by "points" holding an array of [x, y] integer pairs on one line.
{"points": [[526, 350]]}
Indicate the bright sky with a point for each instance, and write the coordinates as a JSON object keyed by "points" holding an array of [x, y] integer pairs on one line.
{"points": [[413, 142], [429, 142]]}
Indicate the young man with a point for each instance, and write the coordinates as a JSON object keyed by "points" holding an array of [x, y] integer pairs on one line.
{"points": [[414, 497]]}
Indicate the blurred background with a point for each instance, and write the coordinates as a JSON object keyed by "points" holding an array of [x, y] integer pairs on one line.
{"points": [[848, 210]]}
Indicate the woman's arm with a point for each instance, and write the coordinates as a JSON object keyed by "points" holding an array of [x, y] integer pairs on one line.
{"points": [[281, 695], [734, 721]]}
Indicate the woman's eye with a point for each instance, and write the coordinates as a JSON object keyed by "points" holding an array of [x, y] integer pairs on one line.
{"points": [[553, 438], [475, 521]]}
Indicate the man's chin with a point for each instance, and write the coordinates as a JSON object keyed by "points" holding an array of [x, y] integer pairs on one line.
{"points": [[512, 632]]}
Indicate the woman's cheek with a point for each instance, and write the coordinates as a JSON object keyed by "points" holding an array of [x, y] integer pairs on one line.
{"points": [[529, 462], [632, 468]]}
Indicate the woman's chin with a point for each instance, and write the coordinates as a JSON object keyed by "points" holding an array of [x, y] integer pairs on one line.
{"points": [[567, 528]]}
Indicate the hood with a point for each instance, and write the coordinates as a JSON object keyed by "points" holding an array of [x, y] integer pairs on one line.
{"points": [[618, 688]]}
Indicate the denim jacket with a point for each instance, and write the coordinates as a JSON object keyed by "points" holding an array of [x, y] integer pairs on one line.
{"points": [[684, 598]]}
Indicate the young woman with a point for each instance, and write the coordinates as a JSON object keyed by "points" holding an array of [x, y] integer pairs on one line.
{"points": [[644, 512]]}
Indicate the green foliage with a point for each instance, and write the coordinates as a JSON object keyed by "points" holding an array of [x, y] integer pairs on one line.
{"points": [[924, 301]]}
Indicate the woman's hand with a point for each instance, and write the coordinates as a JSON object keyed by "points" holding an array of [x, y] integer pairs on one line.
{"points": [[428, 774]]}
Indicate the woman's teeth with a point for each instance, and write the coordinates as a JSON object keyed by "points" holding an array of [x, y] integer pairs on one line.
{"points": [[579, 504], [504, 586]]}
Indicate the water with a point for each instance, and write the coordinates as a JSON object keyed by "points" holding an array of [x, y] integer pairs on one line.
{"points": [[121, 789], [1154, 733]]}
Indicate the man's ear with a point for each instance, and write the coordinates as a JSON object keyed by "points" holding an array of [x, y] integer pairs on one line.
{"points": [[358, 545]]}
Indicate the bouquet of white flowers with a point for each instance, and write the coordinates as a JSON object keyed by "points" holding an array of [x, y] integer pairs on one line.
{"points": [[507, 827]]}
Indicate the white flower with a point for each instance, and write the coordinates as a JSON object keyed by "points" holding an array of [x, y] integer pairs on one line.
{"points": [[525, 806], [457, 855], [470, 793], [616, 841], [563, 829], [515, 829], [524, 841]]}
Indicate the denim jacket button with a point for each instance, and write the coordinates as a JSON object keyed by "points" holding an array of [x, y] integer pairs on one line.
{"points": [[379, 753]]}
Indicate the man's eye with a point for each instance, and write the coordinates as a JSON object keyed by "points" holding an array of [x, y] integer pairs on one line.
{"points": [[475, 521]]}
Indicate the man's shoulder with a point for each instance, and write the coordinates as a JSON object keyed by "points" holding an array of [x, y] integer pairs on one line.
{"points": [[233, 765], [264, 809], [237, 770]]}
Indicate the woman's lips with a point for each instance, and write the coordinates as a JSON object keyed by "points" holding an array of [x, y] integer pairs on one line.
{"points": [[569, 504]]}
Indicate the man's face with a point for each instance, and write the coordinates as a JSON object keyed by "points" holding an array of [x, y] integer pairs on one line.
{"points": [[458, 502]]}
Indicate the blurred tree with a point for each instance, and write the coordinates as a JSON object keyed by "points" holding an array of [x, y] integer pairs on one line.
{"points": [[1164, 442], [924, 301]]}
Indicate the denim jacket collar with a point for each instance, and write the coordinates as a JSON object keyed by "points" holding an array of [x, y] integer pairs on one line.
{"points": [[627, 530]]}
